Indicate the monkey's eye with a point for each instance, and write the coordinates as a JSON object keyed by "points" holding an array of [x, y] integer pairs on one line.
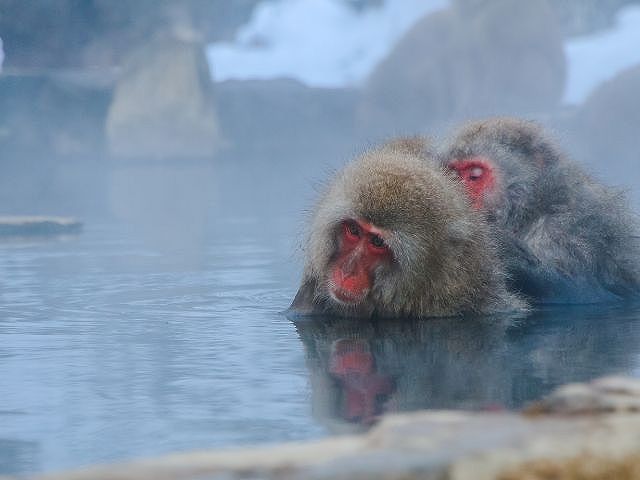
{"points": [[476, 173], [377, 242], [352, 230]]}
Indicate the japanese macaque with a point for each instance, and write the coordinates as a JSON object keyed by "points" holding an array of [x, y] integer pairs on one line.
{"points": [[564, 237], [394, 235]]}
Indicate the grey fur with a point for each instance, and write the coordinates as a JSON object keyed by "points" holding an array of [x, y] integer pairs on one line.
{"points": [[565, 238], [444, 262]]}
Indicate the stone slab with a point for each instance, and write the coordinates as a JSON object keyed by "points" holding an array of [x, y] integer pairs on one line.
{"points": [[19, 226]]}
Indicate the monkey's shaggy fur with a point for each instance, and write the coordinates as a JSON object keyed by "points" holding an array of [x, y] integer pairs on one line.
{"points": [[565, 238], [444, 260]]}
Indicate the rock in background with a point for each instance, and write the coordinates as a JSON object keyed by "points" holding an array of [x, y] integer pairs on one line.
{"points": [[51, 144], [581, 17], [104, 81], [162, 133], [163, 104], [604, 130], [282, 119], [475, 59], [101, 33]]}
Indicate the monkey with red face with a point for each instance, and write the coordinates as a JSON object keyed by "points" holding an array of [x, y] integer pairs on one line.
{"points": [[395, 235], [565, 238]]}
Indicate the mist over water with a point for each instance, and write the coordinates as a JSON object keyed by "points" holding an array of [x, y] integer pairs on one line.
{"points": [[160, 327]]}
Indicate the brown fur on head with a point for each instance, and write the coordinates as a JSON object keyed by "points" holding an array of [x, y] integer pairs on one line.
{"points": [[515, 134], [442, 259], [415, 145]]}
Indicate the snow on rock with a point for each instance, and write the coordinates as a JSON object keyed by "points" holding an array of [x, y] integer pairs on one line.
{"points": [[327, 43], [593, 59], [323, 43]]}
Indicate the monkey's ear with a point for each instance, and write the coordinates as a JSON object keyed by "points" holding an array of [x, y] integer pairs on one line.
{"points": [[304, 301]]}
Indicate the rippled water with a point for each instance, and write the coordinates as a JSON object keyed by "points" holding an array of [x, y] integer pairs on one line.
{"points": [[111, 349]]}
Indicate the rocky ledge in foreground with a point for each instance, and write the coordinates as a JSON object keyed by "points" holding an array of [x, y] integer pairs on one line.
{"points": [[583, 431], [23, 226]]}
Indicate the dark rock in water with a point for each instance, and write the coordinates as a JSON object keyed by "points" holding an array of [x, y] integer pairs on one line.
{"points": [[163, 104], [475, 59], [32, 226]]}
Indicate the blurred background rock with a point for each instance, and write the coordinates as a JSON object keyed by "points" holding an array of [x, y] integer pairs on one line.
{"points": [[92, 90]]}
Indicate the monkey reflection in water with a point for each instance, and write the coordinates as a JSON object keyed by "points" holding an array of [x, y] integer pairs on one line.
{"points": [[395, 235], [360, 369], [365, 391]]}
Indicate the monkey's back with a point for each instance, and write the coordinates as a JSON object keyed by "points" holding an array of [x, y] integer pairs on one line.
{"points": [[586, 238], [564, 237]]}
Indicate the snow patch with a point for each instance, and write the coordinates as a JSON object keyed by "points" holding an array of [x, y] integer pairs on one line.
{"points": [[327, 43], [323, 43], [594, 59]]}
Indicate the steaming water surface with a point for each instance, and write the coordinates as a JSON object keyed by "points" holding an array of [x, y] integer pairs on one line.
{"points": [[112, 350]]}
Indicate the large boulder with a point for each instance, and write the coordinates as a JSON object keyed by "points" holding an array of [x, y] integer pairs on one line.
{"points": [[476, 58], [610, 118], [100, 33], [163, 104], [603, 132], [284, 119]]}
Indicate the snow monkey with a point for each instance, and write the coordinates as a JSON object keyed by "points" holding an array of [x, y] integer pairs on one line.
{"points": [[564, 237], [395, 235]]}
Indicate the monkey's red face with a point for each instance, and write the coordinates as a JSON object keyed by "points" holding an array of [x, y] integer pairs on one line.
{"points": [[477, 174], [362, 248]]}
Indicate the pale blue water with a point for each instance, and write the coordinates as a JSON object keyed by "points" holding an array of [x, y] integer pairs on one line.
{"points": [[111, 349]]}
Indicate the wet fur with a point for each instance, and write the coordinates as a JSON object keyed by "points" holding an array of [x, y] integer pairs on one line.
{"points": [[444, 260], [565, 238]]}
